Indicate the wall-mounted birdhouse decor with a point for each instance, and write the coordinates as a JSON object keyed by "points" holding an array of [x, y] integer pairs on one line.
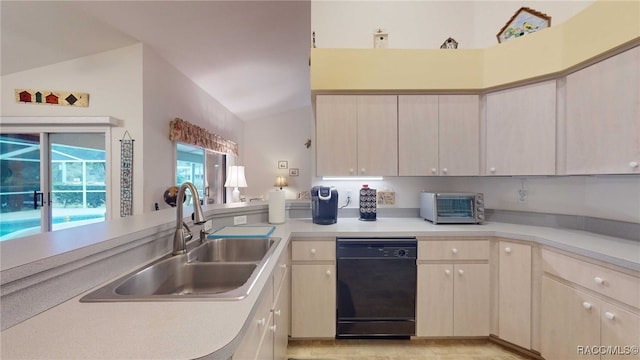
{"points": [[380, 39], [450, 43], [52, 97]]}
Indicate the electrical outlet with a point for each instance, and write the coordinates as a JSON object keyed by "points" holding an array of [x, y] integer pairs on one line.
{"points": [[208, 226], [349, 194], [522, 195], [239, 220]]}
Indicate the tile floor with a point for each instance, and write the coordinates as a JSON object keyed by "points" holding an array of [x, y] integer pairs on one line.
{"points": [[419, 349]]}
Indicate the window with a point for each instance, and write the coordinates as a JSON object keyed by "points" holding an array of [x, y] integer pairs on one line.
{"points": [[204, 168]]}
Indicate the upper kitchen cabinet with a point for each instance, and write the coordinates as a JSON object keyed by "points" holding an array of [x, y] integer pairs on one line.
{"points": [[336, 133], [603, 117], [357, 135], [438, 135], [521, 130], [418, 135]]}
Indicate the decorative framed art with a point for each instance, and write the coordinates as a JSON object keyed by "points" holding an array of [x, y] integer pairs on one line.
{"points": [[283, 164], [294, 172], [524, 21]]}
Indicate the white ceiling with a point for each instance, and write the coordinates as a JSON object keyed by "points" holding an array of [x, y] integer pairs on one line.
{"points": [[251, 56]]}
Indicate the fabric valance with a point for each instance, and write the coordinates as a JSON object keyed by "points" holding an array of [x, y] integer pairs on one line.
{"points": [[185, 132]]}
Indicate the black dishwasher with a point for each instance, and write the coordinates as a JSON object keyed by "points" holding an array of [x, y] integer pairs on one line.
{"points": [[376, 287]]}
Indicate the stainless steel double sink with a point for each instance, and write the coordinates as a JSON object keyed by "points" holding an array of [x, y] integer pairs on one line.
{"points": [[223, 269]]}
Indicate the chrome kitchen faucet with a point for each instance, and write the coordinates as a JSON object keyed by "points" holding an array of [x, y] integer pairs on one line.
{"points": [[179, 242]]}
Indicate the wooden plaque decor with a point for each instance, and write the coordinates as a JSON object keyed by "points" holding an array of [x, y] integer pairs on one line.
{"points": [[52, 97], [524, 21]]}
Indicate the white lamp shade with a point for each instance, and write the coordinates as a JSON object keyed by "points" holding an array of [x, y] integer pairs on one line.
{"points": [[235, 177]]}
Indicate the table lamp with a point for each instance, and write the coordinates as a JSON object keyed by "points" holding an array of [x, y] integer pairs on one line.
{"points": [[236, 179], [281, 181]]}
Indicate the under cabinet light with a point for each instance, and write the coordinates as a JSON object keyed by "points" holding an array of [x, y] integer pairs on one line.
{"points": [[352, 178]]}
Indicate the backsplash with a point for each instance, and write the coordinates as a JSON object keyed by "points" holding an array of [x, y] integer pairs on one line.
{"points": [[298, 209]]}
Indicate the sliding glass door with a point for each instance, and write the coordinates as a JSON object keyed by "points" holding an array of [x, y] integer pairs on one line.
{"points": [[78, 179], [51, 181], [20, 185]]}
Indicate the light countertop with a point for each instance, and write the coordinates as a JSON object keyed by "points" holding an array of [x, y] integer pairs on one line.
{"points": [[214, 328]]}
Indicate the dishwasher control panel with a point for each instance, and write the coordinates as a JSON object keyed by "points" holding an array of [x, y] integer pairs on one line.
{"points": [[376, 248]]}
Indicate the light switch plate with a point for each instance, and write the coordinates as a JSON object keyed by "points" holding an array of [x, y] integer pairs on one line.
{"points": [[239, 220]]}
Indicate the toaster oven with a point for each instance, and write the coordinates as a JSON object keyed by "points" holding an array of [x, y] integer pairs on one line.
{"points": [[452, 208]]}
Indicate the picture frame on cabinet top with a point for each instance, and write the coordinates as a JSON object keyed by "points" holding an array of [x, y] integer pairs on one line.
{"points": [[523, 22]]}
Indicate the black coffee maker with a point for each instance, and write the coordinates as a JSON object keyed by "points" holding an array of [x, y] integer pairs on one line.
{"points": [[324, 205]]}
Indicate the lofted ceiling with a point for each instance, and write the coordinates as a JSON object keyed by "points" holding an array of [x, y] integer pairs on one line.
{"points": [[251, 56]]}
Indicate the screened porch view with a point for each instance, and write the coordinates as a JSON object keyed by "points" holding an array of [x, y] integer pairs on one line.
{"points": [[74, 195]]}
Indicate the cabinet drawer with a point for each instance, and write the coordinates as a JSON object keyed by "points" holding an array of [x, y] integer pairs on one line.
{"points": [[453, 250], [608, 282], [313, 250]]}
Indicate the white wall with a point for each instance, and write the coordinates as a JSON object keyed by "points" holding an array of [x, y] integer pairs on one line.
{"points": [[113, 80], [274, 138], [423, 24], [169, 94], [138, 87]]}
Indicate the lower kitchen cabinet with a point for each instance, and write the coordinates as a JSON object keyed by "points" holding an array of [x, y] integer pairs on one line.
{"points": [[282, 318], [313, 288], [514, 316], [254, 340], [453, 300], [578, 322], [313, 301], [569, 319], [268, 332], [453, 297]]}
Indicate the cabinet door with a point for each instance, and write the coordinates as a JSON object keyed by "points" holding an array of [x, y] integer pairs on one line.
{"points": [[313, 301], [521, 130], [619, 328], [434, 310], [514, 319], [471, 300], [417, 135], [569, 319], [378, 135], [336, 135], [459, 132], [251, 345], [281, 319], [603, 116], [265, 350]]}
